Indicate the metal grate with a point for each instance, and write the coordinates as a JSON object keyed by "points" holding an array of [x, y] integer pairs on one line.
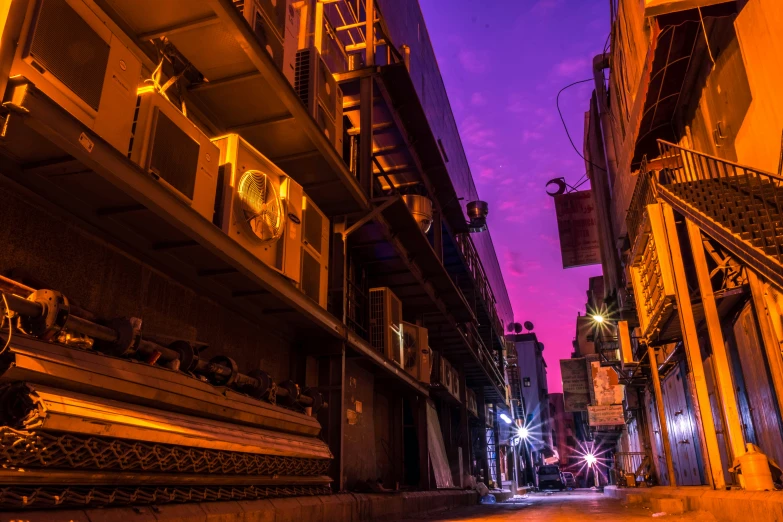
{"points": [[25, 449], [302, 77], [377, 320], [174, 155], [60, 496], [744, 200], [65, 45]]}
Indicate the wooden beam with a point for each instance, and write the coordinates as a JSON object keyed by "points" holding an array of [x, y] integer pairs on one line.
{"points": [[720, 356], [712, 464]]}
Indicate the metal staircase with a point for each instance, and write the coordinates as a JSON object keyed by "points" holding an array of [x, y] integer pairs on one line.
{"points": [[738, 206]]}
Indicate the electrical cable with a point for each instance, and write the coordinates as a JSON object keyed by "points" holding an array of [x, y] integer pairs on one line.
{"points": [[557, 102], [9, 318]]}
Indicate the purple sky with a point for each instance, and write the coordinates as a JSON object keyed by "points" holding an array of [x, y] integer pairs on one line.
{"points": [[503, 62]]}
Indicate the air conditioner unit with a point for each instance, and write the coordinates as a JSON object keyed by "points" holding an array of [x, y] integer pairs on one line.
{"points": [[314, 281], [472, 402], [445, 374], [71, 52], [276, 26], [454, 383], [259, 206], [318, 90], [416, 352], [386, 324], [165, 143]]}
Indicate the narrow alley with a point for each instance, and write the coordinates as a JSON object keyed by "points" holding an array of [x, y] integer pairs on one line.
{"points": [[568, 506]]}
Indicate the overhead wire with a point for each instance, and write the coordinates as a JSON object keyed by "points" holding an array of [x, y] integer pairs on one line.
{"points": [[557, 102]]}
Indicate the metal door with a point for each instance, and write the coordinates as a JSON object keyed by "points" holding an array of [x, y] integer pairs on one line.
{"points": [[682, 430], [762, 402], [658, 456]]}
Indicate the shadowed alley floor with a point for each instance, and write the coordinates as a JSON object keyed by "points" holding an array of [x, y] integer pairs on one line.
{"points": [[561, 507]]}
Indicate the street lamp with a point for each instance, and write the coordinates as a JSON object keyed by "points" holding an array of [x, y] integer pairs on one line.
{"points": [[505, 418], [598, 318], [591, 460], [524, 432]]}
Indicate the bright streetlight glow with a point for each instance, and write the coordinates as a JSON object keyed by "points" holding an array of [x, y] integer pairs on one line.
{"points": [[598, 318], [524, 432], [590, 459], [505, 418]]}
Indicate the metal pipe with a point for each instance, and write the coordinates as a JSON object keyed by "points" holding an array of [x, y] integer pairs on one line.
{"points": [[22, 306], [151, 351], [15, 287], [90, 329]]}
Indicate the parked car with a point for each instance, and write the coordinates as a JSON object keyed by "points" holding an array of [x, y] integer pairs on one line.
{"points": [[569, 480], [549, 478]]}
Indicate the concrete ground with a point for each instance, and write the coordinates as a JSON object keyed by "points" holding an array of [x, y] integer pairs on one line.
{"points": [[572, 506]]}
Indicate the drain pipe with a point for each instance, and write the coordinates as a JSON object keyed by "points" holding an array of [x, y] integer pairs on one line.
{"points": [[602, 186], [600, 63]]}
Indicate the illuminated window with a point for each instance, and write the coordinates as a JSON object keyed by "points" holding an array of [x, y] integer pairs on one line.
{"points": [[526, 382]]}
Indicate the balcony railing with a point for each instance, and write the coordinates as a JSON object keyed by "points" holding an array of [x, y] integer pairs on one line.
{"points": [[643, 195], [481, 283]]}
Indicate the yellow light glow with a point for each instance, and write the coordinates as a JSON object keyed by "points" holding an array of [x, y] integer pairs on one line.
{"points": [[598, 318]]}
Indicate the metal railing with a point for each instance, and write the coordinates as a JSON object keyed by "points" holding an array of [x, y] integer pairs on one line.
{"points": [[481, 282], [762, 190], [643, 195], [629, 463]]}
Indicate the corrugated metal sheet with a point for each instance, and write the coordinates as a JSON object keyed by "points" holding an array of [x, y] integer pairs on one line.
{"points": [[406, 26], [683, 436], [658, 457], [758, 385]]}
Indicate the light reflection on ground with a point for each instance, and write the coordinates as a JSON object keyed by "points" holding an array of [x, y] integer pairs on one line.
{"points": [[569, 506]]}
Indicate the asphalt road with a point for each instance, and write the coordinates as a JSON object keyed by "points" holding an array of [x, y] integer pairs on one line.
{"points": [[580, 505]]}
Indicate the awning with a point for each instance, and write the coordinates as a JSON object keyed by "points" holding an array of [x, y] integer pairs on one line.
{"points": [[678, 36]]}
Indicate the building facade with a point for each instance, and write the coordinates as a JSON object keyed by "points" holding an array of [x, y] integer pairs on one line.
{"points": [[683, 153], [239, 249], [535, 394]]}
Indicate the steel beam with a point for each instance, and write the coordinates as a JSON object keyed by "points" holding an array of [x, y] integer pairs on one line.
{"points": [[712, 464], [721, 363], [366, 179]]}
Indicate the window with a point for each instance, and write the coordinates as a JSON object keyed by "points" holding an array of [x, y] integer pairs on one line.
{"points": [[526, 382]]}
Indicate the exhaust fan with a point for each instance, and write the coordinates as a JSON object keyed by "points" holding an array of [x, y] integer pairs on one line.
{"points": [[477, 213], [421, 209]]}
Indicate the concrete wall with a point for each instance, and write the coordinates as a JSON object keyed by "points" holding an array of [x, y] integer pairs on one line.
{"points": [[110, 283], [758, 31]]}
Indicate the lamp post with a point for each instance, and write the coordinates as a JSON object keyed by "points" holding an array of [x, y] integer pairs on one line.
{"points": [[591, 461]]}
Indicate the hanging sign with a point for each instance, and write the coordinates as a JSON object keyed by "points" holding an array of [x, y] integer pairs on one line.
{"points": [[577, 226], [606, 415], [576, 389], [606, 386]]}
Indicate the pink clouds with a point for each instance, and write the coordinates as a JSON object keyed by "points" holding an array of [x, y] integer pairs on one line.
{"points": [[571, 66], [514, 141], [473, 61]]}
